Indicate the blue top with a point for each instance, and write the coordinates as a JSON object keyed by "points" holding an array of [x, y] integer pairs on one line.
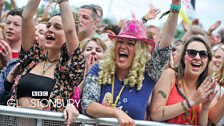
{"points": [[131, 101], [4, 73]]}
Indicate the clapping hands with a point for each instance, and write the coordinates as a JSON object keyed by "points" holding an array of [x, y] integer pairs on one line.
{"points": [[205, 93]]}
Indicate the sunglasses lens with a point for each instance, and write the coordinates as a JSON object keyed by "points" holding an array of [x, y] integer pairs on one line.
{"points": [[203, 54], [192, 53]]}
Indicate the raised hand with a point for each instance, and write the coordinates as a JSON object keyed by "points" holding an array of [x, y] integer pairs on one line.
{"points": [[152, 13], [205, 93], [90, 62], [5, 52], [121, 22], [13, 73], [214, 26]]}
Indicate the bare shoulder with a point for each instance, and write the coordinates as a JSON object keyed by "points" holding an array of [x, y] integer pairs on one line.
{"points": [[169, 72], [167, 78]]}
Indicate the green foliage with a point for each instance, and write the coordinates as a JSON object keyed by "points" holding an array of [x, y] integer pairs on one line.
{"points": [[179, 34], [107, 21], [7, 5]]}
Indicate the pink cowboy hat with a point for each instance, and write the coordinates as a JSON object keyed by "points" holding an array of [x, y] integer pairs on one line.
{"points": [[133, 29]]}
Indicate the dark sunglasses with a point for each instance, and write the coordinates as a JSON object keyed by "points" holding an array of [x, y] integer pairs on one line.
{"points": [[192, 53]]}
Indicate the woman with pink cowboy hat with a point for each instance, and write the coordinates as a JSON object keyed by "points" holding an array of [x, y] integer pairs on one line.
{"points": [[120, 85]]}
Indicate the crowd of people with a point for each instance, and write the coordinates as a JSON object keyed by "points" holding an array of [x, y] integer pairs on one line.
{"points": [[74, 63]]}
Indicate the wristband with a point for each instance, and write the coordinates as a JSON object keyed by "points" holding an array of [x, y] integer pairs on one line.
{"points": [[175, 8], [144, 20]]}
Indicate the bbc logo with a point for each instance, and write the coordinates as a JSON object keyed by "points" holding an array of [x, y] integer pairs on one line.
{"points": [[39, 93]]}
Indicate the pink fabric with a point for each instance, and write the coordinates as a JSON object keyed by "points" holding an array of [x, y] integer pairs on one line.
{"points": [[77, 98], [133, 29]]}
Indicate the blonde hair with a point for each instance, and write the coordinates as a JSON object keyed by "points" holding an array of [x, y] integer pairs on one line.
{"points": [[221, 80], [136, 73], [219, 74], [97, 40]]}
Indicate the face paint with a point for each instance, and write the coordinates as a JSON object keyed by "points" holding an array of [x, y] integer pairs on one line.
{"points": [[188, 58]]}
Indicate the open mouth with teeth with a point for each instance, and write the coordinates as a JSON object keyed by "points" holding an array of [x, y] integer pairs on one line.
{"points": [[196, 66], [49, 37], [122, 56]]}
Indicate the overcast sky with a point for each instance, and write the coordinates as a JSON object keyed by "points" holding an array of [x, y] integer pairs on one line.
{"points": [[208, 11]]}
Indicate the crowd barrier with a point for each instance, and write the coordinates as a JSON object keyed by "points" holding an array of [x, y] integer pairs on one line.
{"points": [[11, 116]]}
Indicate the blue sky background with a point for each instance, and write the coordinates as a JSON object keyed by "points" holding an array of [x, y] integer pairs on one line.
{"points": [[208, 11]]}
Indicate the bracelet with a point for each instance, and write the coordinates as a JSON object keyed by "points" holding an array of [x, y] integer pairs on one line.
{"points": [[185, 108], [144, 20], [175, 8]]}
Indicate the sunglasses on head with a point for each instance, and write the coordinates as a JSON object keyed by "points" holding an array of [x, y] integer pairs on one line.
{"points": [[193, 53], [216, 47]]}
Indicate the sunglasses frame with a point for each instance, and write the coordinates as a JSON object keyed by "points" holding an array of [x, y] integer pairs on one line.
{"points": [[193, 53]]}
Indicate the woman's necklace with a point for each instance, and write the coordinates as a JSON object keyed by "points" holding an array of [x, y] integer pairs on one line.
{"points": [[194, 111], [50, 64]]}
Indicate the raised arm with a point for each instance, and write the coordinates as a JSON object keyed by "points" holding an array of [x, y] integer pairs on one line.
{"points": [[170, 27], [72, 41], [216, 111], [28, 25]]}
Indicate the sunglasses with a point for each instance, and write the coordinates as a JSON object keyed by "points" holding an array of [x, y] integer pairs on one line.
{"points": [[193, 53], [216, 47]]}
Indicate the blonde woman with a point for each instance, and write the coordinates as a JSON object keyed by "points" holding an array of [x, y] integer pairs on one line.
{"points": [[125, 75], [216, 69]]}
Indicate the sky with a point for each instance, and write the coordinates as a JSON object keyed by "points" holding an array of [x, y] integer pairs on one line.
{"points": [[208, 11]]}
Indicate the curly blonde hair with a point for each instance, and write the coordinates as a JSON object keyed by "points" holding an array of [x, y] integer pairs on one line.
{"points": [[136, 73]]}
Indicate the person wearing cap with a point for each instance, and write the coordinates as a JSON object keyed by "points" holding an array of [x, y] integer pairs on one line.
{"points": [[120, 85]]}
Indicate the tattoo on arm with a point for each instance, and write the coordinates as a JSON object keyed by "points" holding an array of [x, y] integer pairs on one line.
{"points": [[162, 93]]}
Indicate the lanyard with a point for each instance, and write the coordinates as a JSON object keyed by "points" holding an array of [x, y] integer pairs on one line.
{"points": [[118, 96], [187, 93]]}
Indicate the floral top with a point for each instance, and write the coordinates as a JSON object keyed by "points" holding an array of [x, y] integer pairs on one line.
{"points": [[92, 90], [68, 73]]}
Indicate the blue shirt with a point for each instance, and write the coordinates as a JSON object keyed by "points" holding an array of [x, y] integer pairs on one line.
{"points": [[4, 73], [132, 101]]}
